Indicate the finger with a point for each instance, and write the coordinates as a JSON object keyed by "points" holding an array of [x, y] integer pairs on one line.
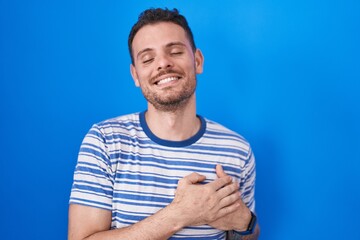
{"points": [[228, 209], [194, 178], [228, 189], [229, 199], [220, 171], [220, 182]]}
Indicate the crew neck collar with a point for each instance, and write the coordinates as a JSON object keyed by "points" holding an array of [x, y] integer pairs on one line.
{"points": [[170, 143]]}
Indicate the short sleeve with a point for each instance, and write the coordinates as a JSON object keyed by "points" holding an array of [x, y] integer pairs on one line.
{"points": [[247, 184], [93, 176], [247, 189]]}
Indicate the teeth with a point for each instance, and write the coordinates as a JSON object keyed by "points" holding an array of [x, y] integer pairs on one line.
{"points": [[166, 80]]}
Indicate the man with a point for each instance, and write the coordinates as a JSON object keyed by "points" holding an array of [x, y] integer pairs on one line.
{"points": [[166, 172]]}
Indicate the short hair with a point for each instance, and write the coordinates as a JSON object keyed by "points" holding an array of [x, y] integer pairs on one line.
{"points": [[156, 15]]}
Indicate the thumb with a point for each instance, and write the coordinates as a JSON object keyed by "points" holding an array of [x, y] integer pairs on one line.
{"points": [[194, 178], [220, 171]]}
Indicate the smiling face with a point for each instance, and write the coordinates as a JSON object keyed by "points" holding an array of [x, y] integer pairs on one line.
{"points": [[165, 66]]}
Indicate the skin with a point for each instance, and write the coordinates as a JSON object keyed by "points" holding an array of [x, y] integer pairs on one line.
{"points": [[163, 51], [156, 60], [159, 43]]}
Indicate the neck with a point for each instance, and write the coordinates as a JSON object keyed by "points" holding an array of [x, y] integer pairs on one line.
{"points": [[177, 125]]}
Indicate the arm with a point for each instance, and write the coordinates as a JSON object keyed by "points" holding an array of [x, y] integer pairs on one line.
{"points": [[237, 220], [89, 223], [90, 213], [194, 204]]}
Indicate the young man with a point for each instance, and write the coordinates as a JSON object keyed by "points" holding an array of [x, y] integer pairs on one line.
{"points": [[166, 172]]}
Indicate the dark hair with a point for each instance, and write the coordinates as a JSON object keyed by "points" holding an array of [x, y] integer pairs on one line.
{"points": [[156, 15]]}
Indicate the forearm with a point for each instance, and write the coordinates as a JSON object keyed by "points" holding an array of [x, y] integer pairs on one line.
{"points": [[161, 225], [194, 204]]}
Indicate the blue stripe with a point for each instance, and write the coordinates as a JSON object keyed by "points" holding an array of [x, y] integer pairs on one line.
{"points": [[96, 132], [74, 200], [92, 189], [115, 122], [94, 153], [147, 178], [158, 204], [132, 218], [136, 192], [82, 182], [144, 184], [208, 237], [144, 164], [140, 198], [90, 170]]}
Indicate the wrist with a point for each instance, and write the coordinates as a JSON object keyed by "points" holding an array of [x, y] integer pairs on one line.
{"points": [[176, 216], [245, 223], [251, 226]]}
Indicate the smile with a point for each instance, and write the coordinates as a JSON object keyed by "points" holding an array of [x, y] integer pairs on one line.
{"points": [[167, 80]]}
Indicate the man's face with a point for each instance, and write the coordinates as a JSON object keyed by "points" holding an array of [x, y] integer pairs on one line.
{"points": [[165, 65]]}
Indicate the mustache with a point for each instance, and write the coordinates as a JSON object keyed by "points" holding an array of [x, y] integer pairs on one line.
{"points": [[164, 73]]}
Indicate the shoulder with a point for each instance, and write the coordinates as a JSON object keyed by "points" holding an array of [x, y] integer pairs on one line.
{"points": [[224, 134], [117, 127], [221, 130], [128, 121]]}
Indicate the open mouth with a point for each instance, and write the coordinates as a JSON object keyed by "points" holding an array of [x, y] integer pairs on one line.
{"points": [[166, 80]]}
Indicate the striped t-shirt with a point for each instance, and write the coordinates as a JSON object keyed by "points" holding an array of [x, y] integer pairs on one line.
{"points": [[124, 168]]}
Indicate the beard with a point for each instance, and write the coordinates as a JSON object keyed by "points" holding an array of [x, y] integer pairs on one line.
{"points": [[169, 99]]}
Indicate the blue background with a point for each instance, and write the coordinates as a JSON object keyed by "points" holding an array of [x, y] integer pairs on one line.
{"points": [[284, 74]]}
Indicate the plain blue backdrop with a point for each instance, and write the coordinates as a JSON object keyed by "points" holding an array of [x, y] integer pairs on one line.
{"points": [[284, 74]]}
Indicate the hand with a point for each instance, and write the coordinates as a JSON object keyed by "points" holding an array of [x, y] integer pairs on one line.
{"points": [[200, 204], [236, 220]]}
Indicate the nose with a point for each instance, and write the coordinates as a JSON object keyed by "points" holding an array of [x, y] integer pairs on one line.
{"points": [[164, 62]]}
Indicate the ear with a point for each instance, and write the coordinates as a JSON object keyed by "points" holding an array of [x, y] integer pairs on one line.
{"points": [[134, 75], [199, 61]]}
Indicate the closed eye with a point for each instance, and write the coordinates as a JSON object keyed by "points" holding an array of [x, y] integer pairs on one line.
{"points": [[176, 53], [148, 61]]}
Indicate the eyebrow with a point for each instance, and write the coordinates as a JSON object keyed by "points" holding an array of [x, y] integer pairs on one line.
{"points": [[175, 44], [142, 51], [171, 44]]}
